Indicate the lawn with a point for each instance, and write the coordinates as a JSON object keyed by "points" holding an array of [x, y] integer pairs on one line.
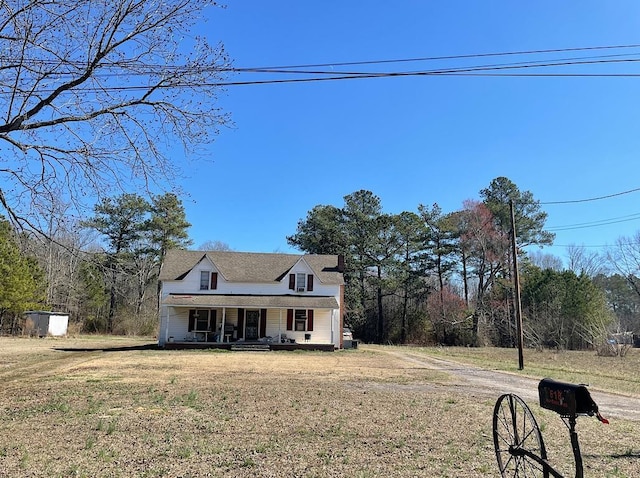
{"points": [[359, 413]]}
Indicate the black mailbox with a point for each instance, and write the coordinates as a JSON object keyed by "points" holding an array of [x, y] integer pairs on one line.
{"points": [[567, 399]]}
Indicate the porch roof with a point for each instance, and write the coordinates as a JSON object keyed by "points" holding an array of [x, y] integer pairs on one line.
{"points": [[252, 301]]}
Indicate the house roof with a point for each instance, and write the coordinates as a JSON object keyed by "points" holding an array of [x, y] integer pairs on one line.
{"points": [[249, 266], [251, 301]]}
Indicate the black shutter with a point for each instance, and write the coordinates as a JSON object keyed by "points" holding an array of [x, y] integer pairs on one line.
{"points": [[192, 320], [289, 319], [292, 281], [263, 322], [213, 319], [214, 280], [309, 320], [240, 323], [310, 282]]}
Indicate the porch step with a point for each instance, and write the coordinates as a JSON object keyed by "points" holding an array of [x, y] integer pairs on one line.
{"points": [[250, 348]]}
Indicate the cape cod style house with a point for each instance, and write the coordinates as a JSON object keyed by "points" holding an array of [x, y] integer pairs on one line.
{"points": [[217, 299]]}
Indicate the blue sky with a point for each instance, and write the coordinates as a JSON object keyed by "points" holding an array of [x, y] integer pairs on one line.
{"points": [[420, 139]]}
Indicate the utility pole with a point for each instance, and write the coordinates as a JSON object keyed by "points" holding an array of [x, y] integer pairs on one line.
{"points": [[516, 284]]}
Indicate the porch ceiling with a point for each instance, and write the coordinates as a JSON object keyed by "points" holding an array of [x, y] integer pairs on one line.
{"points": [[252, 301]]}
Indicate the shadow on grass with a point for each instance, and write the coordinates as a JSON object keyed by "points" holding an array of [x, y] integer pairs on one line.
{"points": [[126, 348]]}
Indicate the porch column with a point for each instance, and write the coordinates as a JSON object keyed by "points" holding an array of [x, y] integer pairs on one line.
{"points": [[333, 328], [224, 318], [280, 326], [166, 329]]}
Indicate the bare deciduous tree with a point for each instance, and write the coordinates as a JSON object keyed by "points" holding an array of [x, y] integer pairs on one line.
{"points": [[586, 262], [214, 246], [95, 93], [544, 260], [625, 258]]}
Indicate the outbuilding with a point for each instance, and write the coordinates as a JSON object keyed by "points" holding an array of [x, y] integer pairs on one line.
{"points": [[48, 323]]}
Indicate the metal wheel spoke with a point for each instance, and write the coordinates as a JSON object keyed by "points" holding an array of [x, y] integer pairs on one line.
{"points": [[515, 431]]}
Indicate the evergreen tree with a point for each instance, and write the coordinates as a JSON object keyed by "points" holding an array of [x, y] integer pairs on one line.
{"points": [[167, 225], [529, 217], [21, 280], [122, 222], [137, 235]]}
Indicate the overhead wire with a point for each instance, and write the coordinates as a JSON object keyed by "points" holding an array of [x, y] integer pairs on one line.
{"points": [[597, 198], [371, 62], [591, 224], [493, 70], [602, 222], [500, 69], [456, 57]]}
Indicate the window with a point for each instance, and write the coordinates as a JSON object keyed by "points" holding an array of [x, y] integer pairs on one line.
{"points": [[208, 280], [301, 282], [202, 320], [300, 320], [301, 279], [204, 280]]}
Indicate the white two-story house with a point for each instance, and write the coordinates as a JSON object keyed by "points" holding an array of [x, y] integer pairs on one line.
{"points": [[215, 297]]}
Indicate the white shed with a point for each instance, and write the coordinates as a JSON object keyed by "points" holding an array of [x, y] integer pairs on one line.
{"points": [[49, 323]]}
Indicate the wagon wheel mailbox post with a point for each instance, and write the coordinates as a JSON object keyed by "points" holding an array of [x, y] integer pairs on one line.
{"points": [[519, 446]]}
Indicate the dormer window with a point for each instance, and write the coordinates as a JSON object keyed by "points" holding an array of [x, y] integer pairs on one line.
{"points": [[208, 280], [301, 282]]}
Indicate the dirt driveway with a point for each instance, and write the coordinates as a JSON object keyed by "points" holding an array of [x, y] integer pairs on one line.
{"points": [[479, 382]]}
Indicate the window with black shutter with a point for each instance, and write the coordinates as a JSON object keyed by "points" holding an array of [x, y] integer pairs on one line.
{"points": [[301, 279]]}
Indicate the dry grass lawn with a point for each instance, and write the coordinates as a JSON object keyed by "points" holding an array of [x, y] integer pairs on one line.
{"points": [[359, 413]]}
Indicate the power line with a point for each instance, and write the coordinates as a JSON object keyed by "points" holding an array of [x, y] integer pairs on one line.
{"points": [[478, 70], [574, 201], [602, 222], [473, 71], [453, 57], [365, 62], [523, 64]]}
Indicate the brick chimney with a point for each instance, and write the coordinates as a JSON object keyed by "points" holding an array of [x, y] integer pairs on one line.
{"points": [[340, 262]]}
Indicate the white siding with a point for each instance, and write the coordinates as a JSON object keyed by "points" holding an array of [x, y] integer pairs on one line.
{"points": [[178, 324]]}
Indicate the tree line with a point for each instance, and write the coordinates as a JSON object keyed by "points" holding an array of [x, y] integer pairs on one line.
{"points": [[102, 271], [423, 277], [428, 277]]}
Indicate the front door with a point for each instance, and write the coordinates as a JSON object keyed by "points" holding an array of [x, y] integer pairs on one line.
{"points": [[252, 323]]}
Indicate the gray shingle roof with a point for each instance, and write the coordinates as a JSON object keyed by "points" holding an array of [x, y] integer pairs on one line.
{"points": [[253, 267]]}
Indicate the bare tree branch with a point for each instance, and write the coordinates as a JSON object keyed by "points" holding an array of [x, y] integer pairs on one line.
{"points": [[95, 95]]}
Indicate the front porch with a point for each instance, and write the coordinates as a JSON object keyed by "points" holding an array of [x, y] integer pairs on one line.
{"points": [[224, 321]]}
